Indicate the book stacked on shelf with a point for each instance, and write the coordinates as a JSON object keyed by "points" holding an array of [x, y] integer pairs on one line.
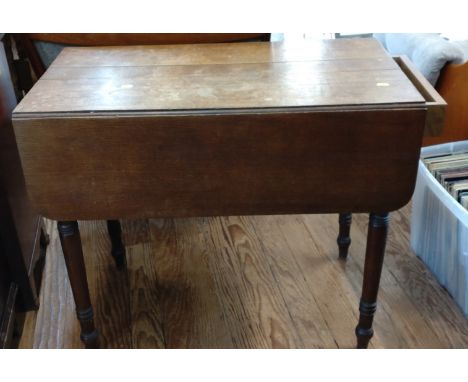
{"points": [[451, 171]]}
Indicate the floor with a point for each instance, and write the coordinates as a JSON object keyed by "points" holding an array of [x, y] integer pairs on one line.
{"points": [[243, 282]]}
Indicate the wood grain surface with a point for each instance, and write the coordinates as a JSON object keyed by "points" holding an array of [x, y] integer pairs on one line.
{"points": [[220, 129], [220, 76], [213, 165], [246, 53], [436, 105], [244, 282], [215, 87]]}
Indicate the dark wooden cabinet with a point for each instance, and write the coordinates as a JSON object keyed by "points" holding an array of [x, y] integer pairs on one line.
{"points": [[22, 241]]}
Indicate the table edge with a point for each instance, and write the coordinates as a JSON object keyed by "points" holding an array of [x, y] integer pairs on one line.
{"points": [[225, 111]]}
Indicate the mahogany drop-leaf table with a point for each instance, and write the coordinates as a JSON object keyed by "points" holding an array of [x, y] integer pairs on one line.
{"points": [[331, 126]]}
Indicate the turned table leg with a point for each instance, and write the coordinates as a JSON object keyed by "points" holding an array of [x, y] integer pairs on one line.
{"points": [[343, 239], [118, 248], [376, 240], [73, 253]]}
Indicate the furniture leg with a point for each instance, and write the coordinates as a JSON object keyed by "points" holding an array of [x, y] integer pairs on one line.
{"points": [[73, 253], [343, 239], [118, 248], [376, 240]]}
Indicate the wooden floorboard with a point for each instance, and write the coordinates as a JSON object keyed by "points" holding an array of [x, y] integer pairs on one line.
{"points": [[243, 282], [255, 310], [144, 308], [190, 312], [299, 297]]}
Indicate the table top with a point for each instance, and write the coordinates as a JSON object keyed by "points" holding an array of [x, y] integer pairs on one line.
{"points": [[220, 77]]}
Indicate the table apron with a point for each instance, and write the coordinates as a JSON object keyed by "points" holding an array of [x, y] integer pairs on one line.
{"points": [[220, 164]]}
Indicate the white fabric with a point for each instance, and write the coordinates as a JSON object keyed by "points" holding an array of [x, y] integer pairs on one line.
{"points": [[430, 52]]}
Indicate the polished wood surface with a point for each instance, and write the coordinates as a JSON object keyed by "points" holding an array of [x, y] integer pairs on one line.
{"points": [[436, 105], [244, 282], [373, 263], [219, 76], [344, 240], [253, 52], [195, 140], [191, 87], [214, 165]]}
